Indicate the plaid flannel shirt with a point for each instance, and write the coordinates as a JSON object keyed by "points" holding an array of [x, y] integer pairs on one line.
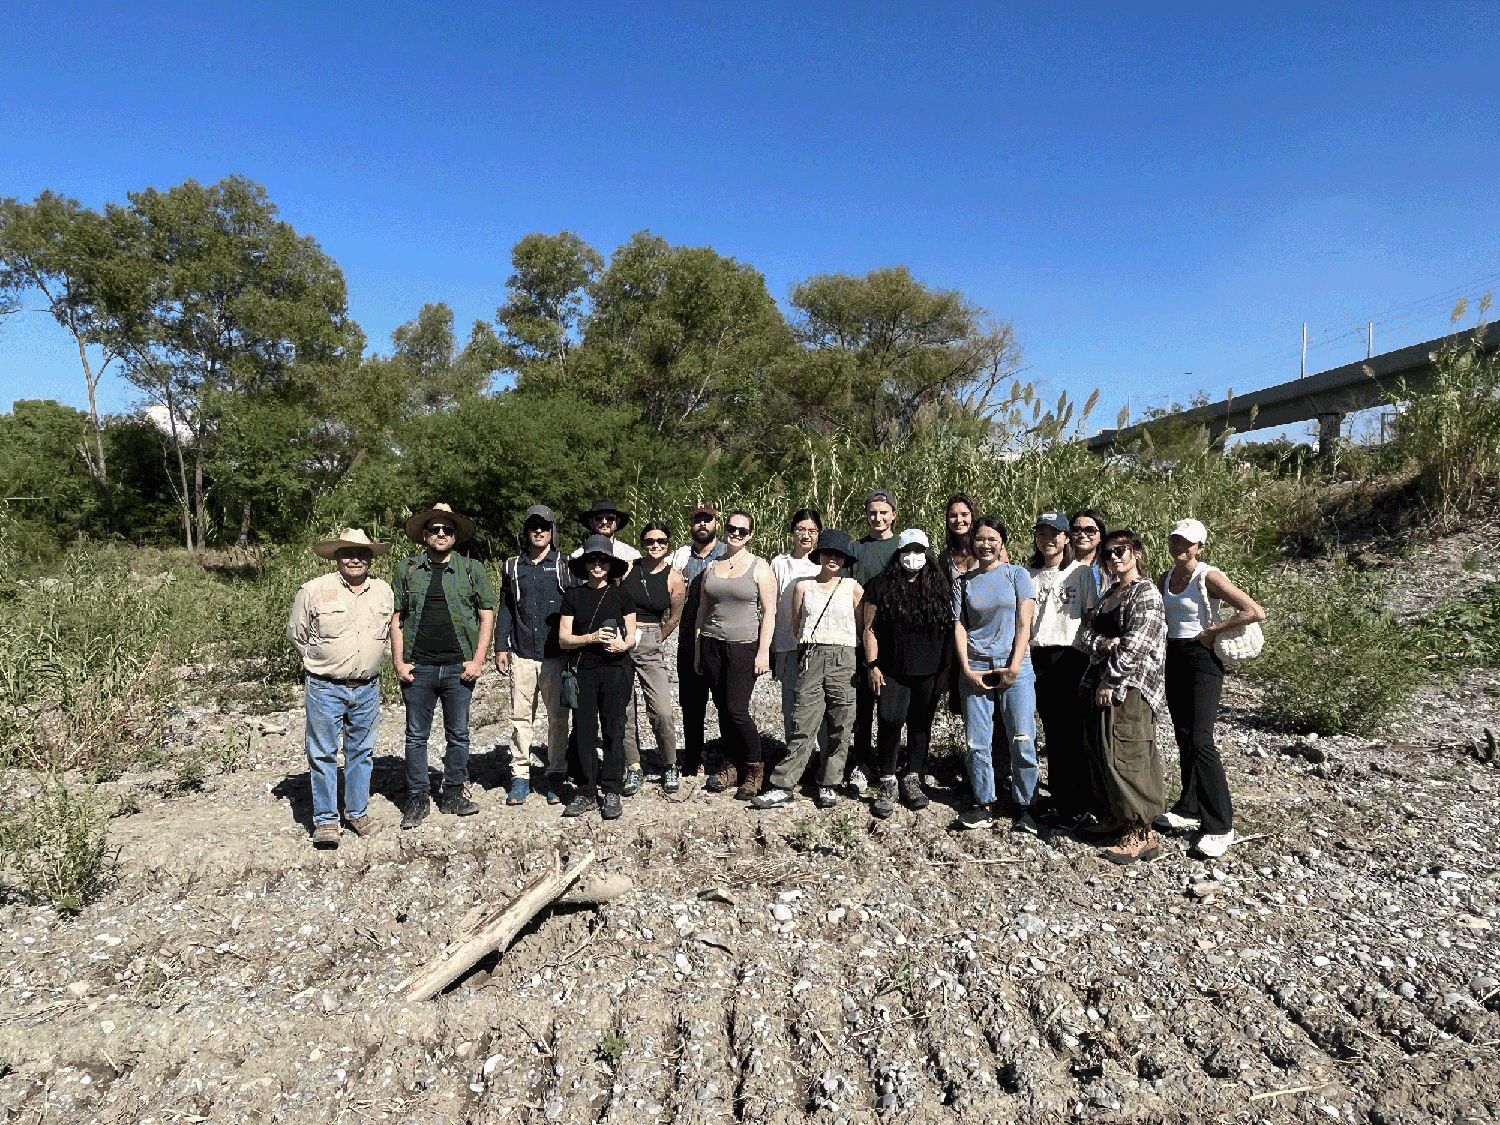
{"points": [[1138, 659]]}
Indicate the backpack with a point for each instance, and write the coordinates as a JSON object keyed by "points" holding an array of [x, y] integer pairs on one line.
{"points": [[512, 570]]}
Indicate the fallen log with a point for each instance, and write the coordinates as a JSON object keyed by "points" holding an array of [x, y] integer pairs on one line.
{"points": [[494, 932]]}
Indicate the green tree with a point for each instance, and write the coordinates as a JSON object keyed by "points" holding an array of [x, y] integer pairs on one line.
{"points": [[549, 287], [44, 482], [241, 310], [886, 347]]}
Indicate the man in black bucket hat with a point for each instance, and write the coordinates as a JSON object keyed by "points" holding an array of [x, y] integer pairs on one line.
{"points": [[607, 518]]}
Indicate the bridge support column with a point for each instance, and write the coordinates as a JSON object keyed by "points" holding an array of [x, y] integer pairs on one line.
{"points": [[1329, 427]]}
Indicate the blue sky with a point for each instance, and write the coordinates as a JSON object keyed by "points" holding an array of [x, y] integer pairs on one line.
{"points": [[1144, 193]]}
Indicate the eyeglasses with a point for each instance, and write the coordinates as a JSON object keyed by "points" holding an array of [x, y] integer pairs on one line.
{"points": [[654, 541], [1117, 552], [596, 560], [606, 517], [350, 557], [1087, 532], [532, 529], [439, 529], [704, 517], [738, 531]]}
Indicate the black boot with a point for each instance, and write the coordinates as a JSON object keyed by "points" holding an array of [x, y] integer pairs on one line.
{"points": [[455, 802], [417, 807]]}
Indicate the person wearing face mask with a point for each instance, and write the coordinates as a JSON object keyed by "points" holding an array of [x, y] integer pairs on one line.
{"points": [[908, 639], [1064, 592], [659, 593], [788, 568], [994, 604]]}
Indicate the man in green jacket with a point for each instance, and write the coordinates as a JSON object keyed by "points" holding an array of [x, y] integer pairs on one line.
{"points": [[440, 632]]}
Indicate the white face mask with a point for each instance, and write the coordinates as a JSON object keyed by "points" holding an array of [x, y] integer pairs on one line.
{"points": [[913, 560]]}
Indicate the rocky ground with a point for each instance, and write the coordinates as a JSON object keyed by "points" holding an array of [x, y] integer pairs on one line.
{"points": [[1339, 964]]}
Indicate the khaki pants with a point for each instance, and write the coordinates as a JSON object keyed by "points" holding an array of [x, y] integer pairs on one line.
{"points": [[825, 686], [533, 681], [649, 663], [1126, 765]]}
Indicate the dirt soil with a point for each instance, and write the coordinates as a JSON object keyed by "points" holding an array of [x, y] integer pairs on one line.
{"points": [[1338, 964]]}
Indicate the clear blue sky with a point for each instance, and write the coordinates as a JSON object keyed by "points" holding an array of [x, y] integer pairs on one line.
{"points": [[1143, 193]]}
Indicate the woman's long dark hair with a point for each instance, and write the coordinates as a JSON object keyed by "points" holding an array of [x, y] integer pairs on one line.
{"points": [[926, 602], [960, 544], [1133, 541], [1037, 562]]}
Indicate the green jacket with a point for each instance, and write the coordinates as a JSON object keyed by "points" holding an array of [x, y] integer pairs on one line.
{"points": [[465, 585]]}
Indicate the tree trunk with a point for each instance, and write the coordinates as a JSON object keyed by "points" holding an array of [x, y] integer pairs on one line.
{"points": [[244, 525], [96, 468], [183, 496]]}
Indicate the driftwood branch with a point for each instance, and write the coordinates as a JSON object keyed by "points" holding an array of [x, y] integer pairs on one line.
{"points": [[494, 932]]}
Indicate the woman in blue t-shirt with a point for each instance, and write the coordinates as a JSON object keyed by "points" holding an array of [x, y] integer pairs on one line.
{"points": [[994, 604]]}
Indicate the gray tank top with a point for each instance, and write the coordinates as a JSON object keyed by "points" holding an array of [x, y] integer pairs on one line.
{"points": [[733, 606]]}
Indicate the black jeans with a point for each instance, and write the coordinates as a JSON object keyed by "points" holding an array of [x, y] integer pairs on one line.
{"points": [[692, 693], [910, 701], [603, 693], [1194, 678], [730, 671], [1059, 668], [861, 754]]}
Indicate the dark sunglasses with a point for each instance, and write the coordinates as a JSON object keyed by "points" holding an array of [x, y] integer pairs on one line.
{"points": [[349, 556], [602, 517], [1085, 531], [440, 530], [1117, 552], [533, 528], [704, 517], [738, 530], [654, 541]]}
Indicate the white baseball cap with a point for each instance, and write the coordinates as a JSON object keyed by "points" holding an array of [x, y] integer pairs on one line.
{"points": [[1191, 530], [912, 535]]}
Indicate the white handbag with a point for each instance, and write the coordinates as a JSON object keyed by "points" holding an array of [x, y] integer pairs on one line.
{"points": [[1243, 642]]}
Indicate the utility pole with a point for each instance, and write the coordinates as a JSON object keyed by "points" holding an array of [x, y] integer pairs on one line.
{"points": [[1370, 342], [1304, 349]]}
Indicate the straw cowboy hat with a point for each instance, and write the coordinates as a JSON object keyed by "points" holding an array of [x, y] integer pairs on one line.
{"points": [[349, 537], [418, 523]]}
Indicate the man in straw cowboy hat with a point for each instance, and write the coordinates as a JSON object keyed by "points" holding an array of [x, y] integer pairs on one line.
{"points": [[440, 635], [338, 626]]}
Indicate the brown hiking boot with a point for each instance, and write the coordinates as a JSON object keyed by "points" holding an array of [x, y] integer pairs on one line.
{"points": [[364, 825], [755, 780], [326, 835], [722, 778]]}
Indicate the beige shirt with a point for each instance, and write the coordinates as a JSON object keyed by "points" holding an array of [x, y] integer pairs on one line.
{"points": [[341, 631]]}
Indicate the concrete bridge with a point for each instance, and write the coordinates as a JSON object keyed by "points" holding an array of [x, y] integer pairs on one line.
{"points": [[1326, 396]]}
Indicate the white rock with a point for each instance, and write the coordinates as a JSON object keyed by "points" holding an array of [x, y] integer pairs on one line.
{"points": [[781, 912]]}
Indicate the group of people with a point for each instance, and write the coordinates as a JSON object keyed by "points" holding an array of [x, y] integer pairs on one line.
{"points": [[867, 639]]}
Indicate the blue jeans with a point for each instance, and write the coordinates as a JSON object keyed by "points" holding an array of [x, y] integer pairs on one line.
{"points": [[1016, 706], [430, 683], [353, 712]]}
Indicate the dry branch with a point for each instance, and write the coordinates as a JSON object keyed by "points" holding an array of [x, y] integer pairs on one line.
{"points": [[493, 933]]}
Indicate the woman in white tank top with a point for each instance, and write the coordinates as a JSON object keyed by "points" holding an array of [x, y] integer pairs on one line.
{"points": [[1191, 591]]}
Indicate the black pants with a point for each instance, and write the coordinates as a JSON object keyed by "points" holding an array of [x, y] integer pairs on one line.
{"points": [[1194, 679], [861, 754], [910, 701], [730, 671], [692, 693], [603, 693], [1059, 668]]}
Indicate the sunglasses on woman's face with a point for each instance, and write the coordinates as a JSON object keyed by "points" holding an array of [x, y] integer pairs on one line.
{"points": [[1117, 552], [1086, 532], [654, 541], [738, 531]]}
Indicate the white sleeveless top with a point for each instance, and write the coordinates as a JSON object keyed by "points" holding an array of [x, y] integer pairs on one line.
{"points": [[1190, 612], [833, 625]]}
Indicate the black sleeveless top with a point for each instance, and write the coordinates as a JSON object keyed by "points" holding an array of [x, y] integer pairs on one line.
{"points": [[1109, 624], [650, 594]]}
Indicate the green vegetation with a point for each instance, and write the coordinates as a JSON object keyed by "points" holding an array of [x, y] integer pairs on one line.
{"points": [[54, 842]]}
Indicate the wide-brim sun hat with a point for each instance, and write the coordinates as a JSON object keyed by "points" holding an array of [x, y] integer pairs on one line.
{"points": [[622, 517], [418, 524], [832, 539], [912, 537], [1191, 530], [349, 537], [599, 545]]}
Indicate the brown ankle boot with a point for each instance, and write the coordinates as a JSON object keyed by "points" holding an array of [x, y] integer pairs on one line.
{"points": [[755, 779], [722, 778]]}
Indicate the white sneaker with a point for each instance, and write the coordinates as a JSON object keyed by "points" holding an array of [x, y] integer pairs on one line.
{"points": [[1214, 846], [1174, 822]]}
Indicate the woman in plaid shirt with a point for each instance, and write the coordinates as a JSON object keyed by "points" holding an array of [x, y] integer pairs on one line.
{"points": [[1125, 686]]}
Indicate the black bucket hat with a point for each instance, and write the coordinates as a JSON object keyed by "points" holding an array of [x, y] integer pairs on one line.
{"points": [[599, 545], [621, 522], [832, 539]]}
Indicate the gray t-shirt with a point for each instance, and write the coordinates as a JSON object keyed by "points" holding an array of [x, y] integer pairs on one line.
{"points": [[987, 604]]}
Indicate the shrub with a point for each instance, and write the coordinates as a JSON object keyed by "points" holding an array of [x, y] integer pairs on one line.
{"points": [[1464, 632], [1335, 659], [55, 843]]}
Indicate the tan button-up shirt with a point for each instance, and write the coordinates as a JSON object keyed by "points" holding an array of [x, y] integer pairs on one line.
{"points": [[342, 631]]}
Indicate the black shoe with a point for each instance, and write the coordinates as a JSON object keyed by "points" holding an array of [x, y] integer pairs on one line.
{"points": [[913, 796], [1024, 822], [581, 804], [885, 798], [609, 806], [417, 807], [455, 802]]}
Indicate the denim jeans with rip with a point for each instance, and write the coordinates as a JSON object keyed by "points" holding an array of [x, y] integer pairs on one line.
{"points": [[1016, 708]]}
